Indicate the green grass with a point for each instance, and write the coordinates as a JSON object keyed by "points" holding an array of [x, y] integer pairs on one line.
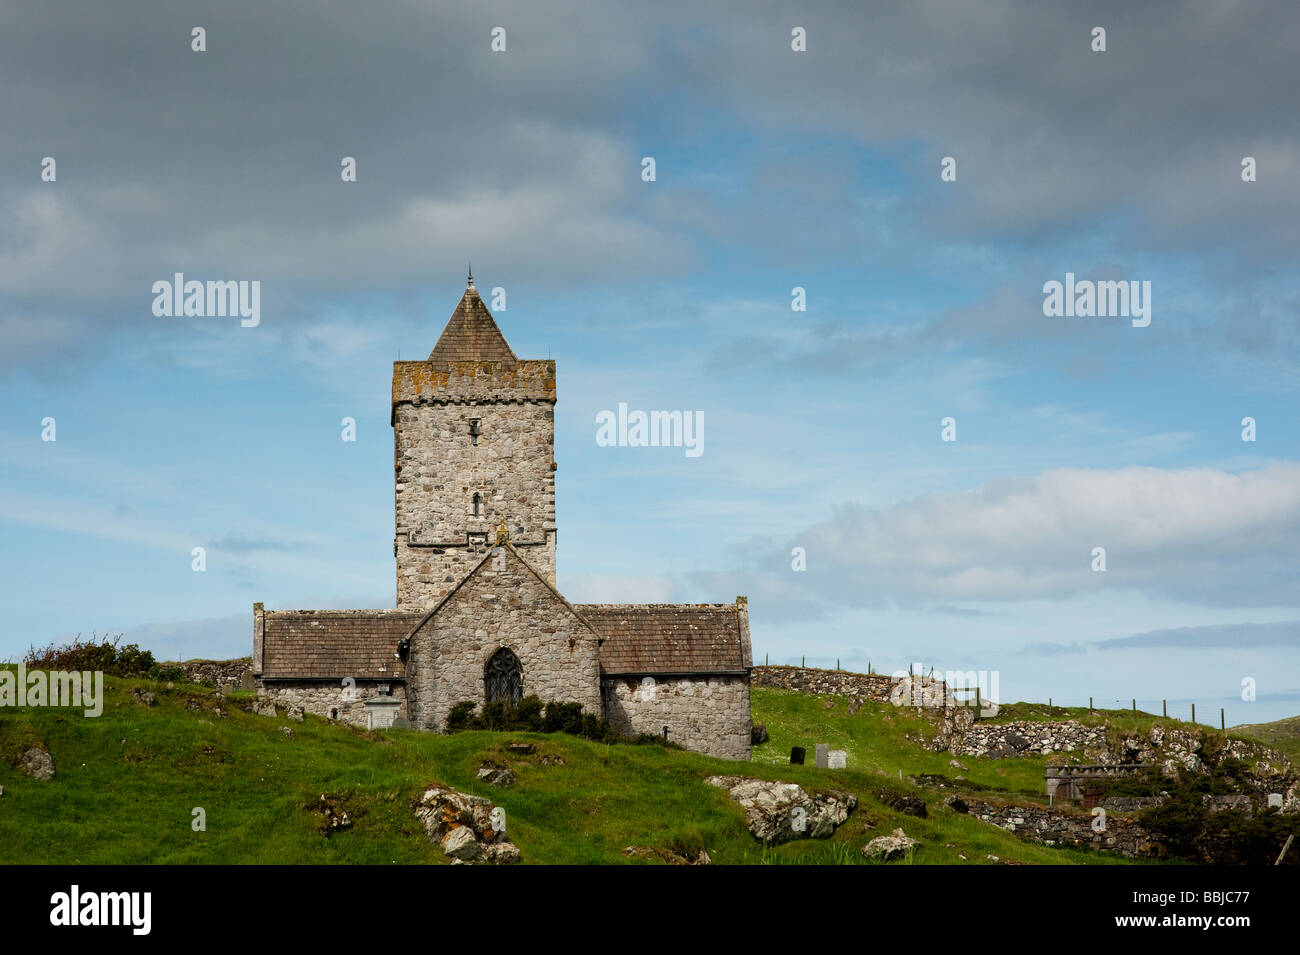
{"points": [[126, 783], [1282, 735]]}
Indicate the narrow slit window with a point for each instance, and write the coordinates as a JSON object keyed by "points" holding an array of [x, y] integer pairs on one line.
{"points": [[478, 505], [474, 431]]}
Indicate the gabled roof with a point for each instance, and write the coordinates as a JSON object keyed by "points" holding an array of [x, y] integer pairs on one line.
{"points": [[424, 617], [471, 334], [334, 644], [669, 638]]}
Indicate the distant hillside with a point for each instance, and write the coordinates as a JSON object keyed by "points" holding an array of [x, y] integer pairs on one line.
{"points": [[1282, 735]]}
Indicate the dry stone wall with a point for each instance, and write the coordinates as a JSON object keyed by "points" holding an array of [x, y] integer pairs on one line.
{"points": [[228, 673], [1056, 827], [707, 714], [874, 686]]}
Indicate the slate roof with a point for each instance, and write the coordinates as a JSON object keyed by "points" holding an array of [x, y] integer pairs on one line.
{"points": [[667, 638], [471, 334], [333, 644]]}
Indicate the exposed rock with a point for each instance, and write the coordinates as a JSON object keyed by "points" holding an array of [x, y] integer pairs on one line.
{"points": [[37, 763], [264, 707], [909, 805], [143, 696], [770, 808], [521, 749], [957, 764], [460, 843], [501, 853], [295, 714], [667, 856], [891, 846], [496, 775], [758, 734], [455, 819], [287, 731], [334, 816], [549, 760], [956, 803]]}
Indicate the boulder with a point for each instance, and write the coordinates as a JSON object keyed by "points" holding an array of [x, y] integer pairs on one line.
{"points": [[37, 763], [891, 846], [521, 749], [758, 734], [264, 707], [496, 775], [454, 820], [770, 808], [143, 696], [460, 843], [295, 713]]}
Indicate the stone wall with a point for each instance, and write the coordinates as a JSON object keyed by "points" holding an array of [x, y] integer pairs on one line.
{"points": [[323, 697], [874, 686], [226, 673], [501, 606], [707, 714], [1066, 828], [1024, 738], [438, 469]]}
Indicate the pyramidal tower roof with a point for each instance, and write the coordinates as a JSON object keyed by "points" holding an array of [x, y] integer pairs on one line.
{"points": [[471, 333]]}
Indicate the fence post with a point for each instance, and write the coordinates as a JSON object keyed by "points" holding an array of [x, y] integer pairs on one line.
{"points": [[803, 663], [1135, 706], [1164, 708], [1089, 704], [1223, 725], [1193, 712]]}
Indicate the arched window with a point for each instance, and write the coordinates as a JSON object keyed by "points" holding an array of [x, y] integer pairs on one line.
{"points": [[478, 505], [503, 677]]}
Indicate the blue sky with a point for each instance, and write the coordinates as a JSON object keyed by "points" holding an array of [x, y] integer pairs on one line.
{"points": [[774, 170]]}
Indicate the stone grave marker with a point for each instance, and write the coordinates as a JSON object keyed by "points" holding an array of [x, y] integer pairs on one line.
{"points": [[837, 759], [822, 750], [796, 755], [1274, 800]]}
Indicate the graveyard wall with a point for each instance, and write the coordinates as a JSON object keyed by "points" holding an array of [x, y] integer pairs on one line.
{"points": [[225, 673]]}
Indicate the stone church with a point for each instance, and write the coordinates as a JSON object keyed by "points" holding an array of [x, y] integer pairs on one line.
{"points": [[478, 614]]}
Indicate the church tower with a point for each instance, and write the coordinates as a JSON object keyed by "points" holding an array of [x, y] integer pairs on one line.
{"points": [[473, 449]]}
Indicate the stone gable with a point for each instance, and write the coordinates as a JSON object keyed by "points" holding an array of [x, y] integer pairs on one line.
{"points": [[503, 602]]}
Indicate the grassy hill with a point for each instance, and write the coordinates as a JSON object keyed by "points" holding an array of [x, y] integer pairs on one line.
{"points": [[1282, 735], [126, 784]]}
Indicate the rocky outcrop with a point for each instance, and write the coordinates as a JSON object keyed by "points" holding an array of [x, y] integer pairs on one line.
{"points": [[463, 826], [37, 763], [496, 775], [778, 812], [891, 846]]}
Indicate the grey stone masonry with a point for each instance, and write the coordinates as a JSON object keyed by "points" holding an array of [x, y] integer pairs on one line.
{"points": [[502, 603], [474, 447], [706, 713]]}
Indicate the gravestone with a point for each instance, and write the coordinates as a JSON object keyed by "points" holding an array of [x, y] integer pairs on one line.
{"points": [[1274, 800], [796, 755], [401, 723], [837, 759], [380, 712], [822, 750], [246, 681]]}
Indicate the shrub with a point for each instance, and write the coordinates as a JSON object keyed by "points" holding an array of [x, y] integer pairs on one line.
{"points": [[462, 716], [98, 653]]}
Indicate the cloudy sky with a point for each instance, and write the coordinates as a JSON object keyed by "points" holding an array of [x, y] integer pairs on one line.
{"points": [[775, 169]]}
